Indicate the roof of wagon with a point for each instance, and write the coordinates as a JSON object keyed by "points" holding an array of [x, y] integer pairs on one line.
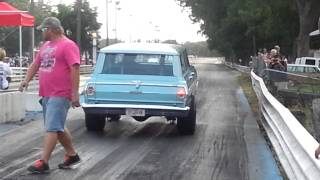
{"points": [[146, 48]]}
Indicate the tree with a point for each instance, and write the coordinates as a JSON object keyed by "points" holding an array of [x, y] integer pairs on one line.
{"points": [[9, 37], [89, 24], [170, 41], [200, 49], [308, 16], [238, 27]]}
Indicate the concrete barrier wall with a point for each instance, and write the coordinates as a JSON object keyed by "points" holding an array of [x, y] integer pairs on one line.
{"points": [[12, 107]]}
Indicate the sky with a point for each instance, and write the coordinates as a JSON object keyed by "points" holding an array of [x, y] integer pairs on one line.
{"points": [[145, 20]]}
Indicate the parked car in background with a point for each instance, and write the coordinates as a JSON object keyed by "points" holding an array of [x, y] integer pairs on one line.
{"points": [[308, 61], [306, 70], [142, 80]]}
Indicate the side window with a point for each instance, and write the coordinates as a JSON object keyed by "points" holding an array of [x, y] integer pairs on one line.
{"points": [[183, 63], [310, 62], [312, 70], [186, 58], [300, 69]]}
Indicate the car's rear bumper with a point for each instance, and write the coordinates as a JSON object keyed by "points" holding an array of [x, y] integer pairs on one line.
{"points": [[150, 110]]}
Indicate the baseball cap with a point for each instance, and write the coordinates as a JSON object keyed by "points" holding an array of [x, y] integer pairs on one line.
{"points": [[50, 22]]}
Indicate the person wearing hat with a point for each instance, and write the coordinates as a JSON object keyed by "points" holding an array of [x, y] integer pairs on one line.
{"points": [[57, 63], [5, 71]]}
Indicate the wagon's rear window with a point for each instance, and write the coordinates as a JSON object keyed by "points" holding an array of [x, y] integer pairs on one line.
{"points": [[138, 64]]}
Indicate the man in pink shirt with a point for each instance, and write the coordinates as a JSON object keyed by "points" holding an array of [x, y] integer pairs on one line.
{"points": [[58, 65]]}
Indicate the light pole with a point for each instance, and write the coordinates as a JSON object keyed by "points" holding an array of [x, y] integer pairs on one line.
{"points": [[31, 50], [79, 6], [107, 30], [94, 48], [157, 37], [130, 32], [116, 8]]}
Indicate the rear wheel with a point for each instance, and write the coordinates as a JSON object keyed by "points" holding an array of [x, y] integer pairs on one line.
{"points": [[187, 125], [95, 122]]}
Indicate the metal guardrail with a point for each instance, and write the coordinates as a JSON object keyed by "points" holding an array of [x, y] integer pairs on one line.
{"points": [[19, 73], [244, 69], [293, 144], [16, 77], [34, 85]]}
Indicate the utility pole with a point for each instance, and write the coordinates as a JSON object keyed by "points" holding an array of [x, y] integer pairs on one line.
{"points": [[116, 8], [107, 30], [79, 5], [31, 33]]}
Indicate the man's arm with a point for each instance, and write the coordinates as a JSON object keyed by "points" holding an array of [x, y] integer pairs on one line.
{"points": [[32, 70], [75, 79]]}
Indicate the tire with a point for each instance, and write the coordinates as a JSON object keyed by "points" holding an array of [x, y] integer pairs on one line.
{"points": [[113, 117], [187, 125], [95, 122]]}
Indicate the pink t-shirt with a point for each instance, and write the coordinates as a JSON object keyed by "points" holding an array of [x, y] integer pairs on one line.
{"points": [[55, 59]]}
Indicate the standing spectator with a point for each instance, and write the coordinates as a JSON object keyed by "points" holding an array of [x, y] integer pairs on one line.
{"points": [[5, 71], [274, 61], [265, 55], [277, 47], [259, 65], [58, 64], [283, 59]]}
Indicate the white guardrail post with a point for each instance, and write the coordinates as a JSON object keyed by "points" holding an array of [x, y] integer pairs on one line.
{"points": [[292, 142]]}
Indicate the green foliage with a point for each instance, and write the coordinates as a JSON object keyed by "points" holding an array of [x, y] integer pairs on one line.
{"points": [[9, 36], [200, 49], [232, 25], [89, 24], [169, 41]]}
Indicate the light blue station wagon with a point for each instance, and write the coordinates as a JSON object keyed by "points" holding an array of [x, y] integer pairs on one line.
{"points": [[142, 80]]}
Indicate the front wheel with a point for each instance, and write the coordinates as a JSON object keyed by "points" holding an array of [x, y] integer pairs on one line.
{"points": [[187, 125], [95, 122]]}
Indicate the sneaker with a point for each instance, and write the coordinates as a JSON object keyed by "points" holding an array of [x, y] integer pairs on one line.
{"points": [[69, 161], [39, 167]]}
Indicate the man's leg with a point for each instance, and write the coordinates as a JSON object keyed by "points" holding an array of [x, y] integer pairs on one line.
{"points": [[65, 140], [71, 158], [50, 141]]}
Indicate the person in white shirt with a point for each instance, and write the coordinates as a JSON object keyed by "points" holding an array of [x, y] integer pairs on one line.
{"points": [[5, 71]]}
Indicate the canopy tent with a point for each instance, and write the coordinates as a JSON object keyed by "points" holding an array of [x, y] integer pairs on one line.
{"points": [[10, 16]]}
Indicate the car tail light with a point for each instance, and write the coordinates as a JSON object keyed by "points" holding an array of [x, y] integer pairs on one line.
{"points": [[181, 92], [90, 90]]}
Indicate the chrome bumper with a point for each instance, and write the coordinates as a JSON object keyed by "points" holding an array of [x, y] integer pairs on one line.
{"points": [[134, 106]]}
